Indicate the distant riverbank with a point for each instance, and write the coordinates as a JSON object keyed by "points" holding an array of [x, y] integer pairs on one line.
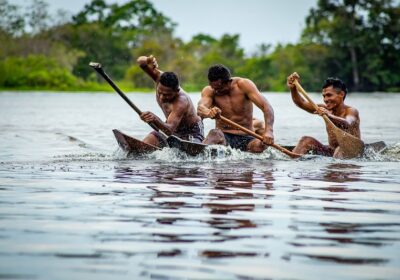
{"points": [[96, 87], [125, 87], [86, 87]]}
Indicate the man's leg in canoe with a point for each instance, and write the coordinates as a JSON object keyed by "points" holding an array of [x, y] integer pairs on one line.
{"points": [[215, 137], [156, 139], [307, 144], [256, 146]]}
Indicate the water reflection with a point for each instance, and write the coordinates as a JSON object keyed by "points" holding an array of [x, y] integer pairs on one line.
{"points": [[340, 173], [335, 235], [227, 207], [227, 194]]}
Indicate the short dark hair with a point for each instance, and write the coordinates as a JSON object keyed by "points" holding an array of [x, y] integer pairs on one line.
{"points": [[218, 72], [170, 79], [337, 84]]}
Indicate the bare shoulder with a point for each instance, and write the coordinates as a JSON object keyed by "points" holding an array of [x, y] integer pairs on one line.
{"points": [[351, 111], [247, 86], [183, 97], [243, 82], [207, 91], [182, 102]]}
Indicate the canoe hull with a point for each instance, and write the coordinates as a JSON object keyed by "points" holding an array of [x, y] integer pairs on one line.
{"points": [[133, 145], [137, 147]]}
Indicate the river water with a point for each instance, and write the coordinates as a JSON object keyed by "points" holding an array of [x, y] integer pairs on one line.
{"points": [[73, 206]]}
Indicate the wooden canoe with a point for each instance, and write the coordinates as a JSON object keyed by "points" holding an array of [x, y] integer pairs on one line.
{"points": [[137, 147], [132, 145]]}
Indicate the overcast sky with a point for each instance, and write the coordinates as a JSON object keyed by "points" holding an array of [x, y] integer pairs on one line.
{"points": [[257, 21]]}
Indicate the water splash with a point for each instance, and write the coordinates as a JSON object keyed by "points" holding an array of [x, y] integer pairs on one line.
{"points": [[118, 154], [215, 153], [390, 153], [218, 153]]}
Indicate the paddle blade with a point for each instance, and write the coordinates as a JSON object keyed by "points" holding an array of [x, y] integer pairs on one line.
{"points": [[188, 147], [349, 145]]}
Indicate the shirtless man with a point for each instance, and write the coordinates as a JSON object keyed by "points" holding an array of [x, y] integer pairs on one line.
{"points": [[343, 116], [179, 111], [233, 98]]}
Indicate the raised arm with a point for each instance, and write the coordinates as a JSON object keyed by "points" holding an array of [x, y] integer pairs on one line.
{"points": [[150, 66], [296, 97], [261, 102]]}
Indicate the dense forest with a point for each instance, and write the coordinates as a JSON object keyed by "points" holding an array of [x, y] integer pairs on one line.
{"points": [[356, 40]]}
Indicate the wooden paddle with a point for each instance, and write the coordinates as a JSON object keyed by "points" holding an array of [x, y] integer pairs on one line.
{"points": [[252, 133], [350, 145], [99, 69], [176, 142]]}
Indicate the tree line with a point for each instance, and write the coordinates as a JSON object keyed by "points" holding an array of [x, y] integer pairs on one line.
{"points": [[355, 40]]}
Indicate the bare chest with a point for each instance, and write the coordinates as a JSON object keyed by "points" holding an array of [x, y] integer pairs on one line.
{"points": [[165, 107], [232, 104]]}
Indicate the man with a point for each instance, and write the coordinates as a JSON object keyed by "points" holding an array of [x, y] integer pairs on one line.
{"points": [[181, 117], [233, 98], [343, 116]]}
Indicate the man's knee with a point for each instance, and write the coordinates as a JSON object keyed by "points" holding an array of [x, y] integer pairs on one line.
{"points": [[307, 140], [152, 140], [256, 146], [215, 136], [216, 133]]}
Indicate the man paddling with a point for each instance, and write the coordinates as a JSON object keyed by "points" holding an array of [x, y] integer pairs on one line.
{"points": [[179, 111], [343, 116], [233, 98]]}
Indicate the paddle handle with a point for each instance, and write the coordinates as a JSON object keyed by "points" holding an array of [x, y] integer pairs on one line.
{"points": [[252, 133], [301, 90], [303, 93], [99, 69]]}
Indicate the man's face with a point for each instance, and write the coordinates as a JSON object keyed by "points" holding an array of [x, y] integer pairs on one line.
{"points": [[220, 87], [166, 94], [332, 98]]}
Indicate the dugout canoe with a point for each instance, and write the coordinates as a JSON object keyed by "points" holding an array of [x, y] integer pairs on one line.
{"points": [[134, 146]]}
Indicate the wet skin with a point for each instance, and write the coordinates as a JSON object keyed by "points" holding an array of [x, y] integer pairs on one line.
{"points": [[234, 100], [342, 115], [176, 105]]}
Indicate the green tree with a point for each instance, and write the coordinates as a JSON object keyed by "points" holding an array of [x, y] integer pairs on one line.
{"points": [[361, 35], [203, 51], [35, 71], [165, 47], [38, 17], [12, 21], [106, 33]]}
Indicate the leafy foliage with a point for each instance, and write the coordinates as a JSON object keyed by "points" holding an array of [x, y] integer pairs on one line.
{"points": [[35, 71], [355, 40], [362, 37]]}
